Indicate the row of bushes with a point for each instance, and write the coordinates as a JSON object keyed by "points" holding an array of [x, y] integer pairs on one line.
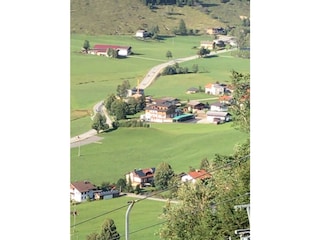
{"points": [[133, 123]]}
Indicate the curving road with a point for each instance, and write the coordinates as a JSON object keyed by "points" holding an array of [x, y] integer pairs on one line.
{"points": [[147, 81]]}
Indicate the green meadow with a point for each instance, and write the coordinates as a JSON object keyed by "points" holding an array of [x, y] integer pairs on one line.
{"points": [[94, 78], [180, 144], [144, 219]]}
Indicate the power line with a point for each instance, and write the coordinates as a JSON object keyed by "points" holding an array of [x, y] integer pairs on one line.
{"points": [[87, 220], [227, 200], [161, 191], [218, 168]]}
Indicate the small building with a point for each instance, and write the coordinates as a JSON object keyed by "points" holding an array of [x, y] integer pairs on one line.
{"points": [[98, 195], [219, 43], [142, 33], [141, 176], [195, 105], [81, 190], [215, 88], [218, 107], [134, 91], [218, 117], [193, 176], [192, 90], [102, 50], [207, 44], [226, 99], [218, 30]]}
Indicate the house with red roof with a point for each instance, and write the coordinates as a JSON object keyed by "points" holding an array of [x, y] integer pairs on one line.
{"points": [[102, 50], [193, 176], [81, 190]]}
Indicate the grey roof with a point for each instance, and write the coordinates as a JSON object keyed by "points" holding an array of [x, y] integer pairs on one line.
{"points": [[217, 114], [218, 104]]}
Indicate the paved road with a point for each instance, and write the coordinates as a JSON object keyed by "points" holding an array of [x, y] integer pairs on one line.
{"points": [[147, 81]]}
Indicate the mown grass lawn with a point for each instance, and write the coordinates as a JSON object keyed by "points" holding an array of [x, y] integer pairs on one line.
{"points": [[144, 219], [180, 144]]}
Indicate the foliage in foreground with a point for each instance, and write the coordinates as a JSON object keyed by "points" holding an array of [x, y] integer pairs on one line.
{"points": [[108, 232], [208, 206]]}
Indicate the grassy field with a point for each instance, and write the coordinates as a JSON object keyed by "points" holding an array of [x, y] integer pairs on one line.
{"points": [[180, 144], [93, 78], [142, 217]]}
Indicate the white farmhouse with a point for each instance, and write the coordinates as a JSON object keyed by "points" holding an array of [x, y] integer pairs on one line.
{"points": [[80, 191]]}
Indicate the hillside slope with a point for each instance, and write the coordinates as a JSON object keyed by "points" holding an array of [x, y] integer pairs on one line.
{"points": [[101, 17]]}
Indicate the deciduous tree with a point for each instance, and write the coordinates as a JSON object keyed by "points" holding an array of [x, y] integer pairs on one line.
{"points": [[169, 54], [163, 175], [99, 123], [86, 45], [240, 106]]}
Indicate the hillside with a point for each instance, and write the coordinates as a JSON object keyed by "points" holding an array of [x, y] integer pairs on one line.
{"points": [[113, 17]]}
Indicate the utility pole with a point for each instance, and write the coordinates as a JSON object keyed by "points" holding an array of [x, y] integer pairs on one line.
{"points": [[127, 218], [243, 233], [245, 206]]}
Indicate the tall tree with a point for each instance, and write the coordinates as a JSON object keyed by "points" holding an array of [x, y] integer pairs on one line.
{"points": [[191, 219], [240, 107], [99, 123], [169, 54], [86, 45], [109, 231], [122, 90], [109, 101], [182, 27], [119, 109], [163, 175], [121, 184]]}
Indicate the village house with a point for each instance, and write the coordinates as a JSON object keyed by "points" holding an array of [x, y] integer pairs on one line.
{"points": [[207, 44], [142, 33], [218, 117], [102, 50], [81, 190], [215, 88], [194, 105], [218, 107], [161, 110], [99, 194], [141, 177], [134, 91], [219, 30], [212, 44], [192, 90], [226, 99], [196, 175]]}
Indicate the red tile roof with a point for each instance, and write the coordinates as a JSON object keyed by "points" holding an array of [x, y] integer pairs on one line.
{"points": [[209, 85], [199, 174], [104, 47]]}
